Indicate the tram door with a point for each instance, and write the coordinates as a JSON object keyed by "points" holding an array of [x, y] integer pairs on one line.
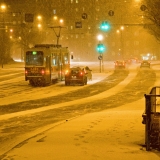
{"points": [[48, 69]]}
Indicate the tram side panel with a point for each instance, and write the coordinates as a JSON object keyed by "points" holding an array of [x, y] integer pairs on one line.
{"points": [[60, 62]]}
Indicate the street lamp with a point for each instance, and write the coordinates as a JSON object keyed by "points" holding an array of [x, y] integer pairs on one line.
{"points": [[100, 37], [39, 17], [3, 7]]}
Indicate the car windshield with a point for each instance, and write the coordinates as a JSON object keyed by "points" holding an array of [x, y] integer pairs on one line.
{"points": [[75, 70]]}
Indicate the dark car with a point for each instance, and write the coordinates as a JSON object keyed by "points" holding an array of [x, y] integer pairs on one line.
{"points": [[120, 64], [145, 63], [75, 75]]}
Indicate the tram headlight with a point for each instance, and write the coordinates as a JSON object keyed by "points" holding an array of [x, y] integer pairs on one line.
{"points": [[66, 72]]}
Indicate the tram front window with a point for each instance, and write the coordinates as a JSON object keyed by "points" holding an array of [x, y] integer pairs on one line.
{"points": [[34, 58]]}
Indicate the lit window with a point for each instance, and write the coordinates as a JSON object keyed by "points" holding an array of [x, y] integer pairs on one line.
{"points": [[71, 27], [71, 1], [76, 1], [54, 11]]}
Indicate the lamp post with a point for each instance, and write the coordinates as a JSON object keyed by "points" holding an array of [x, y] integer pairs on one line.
{"points": [[3, 8], [100, 49]]}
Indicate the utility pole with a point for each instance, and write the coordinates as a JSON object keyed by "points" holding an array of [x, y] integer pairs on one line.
{"points": [[57, 34]]}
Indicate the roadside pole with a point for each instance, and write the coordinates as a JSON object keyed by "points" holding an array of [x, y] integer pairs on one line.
{"points": [[100, 63]]}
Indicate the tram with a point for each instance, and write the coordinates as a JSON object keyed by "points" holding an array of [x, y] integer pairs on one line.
{"points": [[46, 63]]}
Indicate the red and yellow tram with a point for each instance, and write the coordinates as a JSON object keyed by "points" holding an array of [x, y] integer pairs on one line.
{"points": [[46, 63]]}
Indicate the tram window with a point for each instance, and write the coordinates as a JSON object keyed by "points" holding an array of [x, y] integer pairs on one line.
{"points": [[34, 58], [54, 60], [66, 58]]}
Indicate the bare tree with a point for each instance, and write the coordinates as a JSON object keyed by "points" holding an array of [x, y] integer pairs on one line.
{"points": [[152, 13]]}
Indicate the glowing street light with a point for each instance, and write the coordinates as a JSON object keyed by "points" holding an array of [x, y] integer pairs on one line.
{"points": [[55, 17], [122, 27], [100, 37], [61, 21], [39, 26], [3, 7], [39, 17], [119, 31]]}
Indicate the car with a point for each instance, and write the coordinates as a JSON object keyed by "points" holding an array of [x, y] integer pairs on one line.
{"points": [[76, 75], [120, 64], [145, 63], [128, 61]]}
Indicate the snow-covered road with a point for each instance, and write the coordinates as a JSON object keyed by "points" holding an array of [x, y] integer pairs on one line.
{"points": [[112, 134]]}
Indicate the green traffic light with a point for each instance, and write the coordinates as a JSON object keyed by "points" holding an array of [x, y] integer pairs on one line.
{"points": [[100, 48], [105, 26]]}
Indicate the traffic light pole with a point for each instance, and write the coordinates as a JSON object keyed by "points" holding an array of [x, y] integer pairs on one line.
{"points": [[100, 48], [100, 64], [101, 69]]}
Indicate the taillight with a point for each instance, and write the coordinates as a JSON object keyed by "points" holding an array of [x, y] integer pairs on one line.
{"points": [[81, 73], [42, 71], [26, 72]]}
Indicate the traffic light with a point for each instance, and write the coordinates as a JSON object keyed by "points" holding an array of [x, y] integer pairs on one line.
{"points": [[105, 26], [100, 48]]}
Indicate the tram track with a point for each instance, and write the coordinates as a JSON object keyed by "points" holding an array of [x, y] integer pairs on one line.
{"points": [[84, 92]]}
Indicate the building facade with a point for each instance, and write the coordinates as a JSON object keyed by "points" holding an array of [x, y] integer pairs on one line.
{"points": [[81, 26]]}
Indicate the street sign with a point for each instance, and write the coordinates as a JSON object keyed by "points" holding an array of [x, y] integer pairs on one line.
{"points": [[111, 13], [78, 24], [84, 15], [100, 57], [143, 7]]}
